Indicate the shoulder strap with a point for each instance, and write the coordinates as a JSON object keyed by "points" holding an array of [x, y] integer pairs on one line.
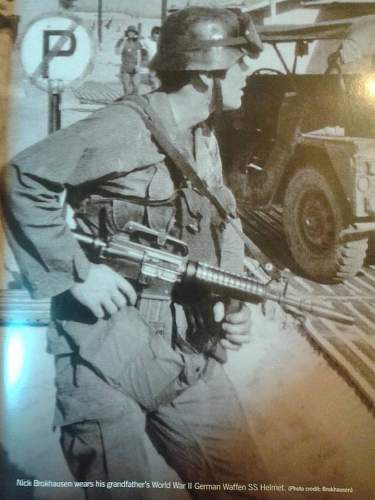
{"points": [[157, 130]]}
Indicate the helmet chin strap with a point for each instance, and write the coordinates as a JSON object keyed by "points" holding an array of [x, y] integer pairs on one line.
{"points": [[216, 104]]}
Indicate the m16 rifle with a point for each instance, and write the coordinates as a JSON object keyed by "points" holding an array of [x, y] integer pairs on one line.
{"points": [[160, 264]]}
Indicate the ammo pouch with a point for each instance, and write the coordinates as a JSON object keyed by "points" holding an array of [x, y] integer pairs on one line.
{"points": [[106, 215], [201, 224]]}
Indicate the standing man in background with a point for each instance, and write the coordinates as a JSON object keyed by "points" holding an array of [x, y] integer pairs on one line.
{"points": [[150, 45], [130, 49]]}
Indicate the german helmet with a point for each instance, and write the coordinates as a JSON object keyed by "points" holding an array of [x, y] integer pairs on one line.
{"points": [[205, 39]]}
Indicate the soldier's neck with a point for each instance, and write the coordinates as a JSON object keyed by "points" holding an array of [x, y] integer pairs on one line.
{"points": [[189, 107]]}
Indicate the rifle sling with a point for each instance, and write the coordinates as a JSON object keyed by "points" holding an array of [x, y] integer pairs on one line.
{"points": [[158, 132]]}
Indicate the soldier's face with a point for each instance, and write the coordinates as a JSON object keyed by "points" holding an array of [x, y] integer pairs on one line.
{"points": [[234, 82]]}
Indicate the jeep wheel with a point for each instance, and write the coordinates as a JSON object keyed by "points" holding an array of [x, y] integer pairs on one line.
{"points": [[313, 222]]}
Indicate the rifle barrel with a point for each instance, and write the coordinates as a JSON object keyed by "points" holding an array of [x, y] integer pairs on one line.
{"points": [[315, 309]]}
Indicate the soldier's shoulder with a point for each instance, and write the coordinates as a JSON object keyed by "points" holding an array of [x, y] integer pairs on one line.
{"points": [[117, 121], [121, 111]]}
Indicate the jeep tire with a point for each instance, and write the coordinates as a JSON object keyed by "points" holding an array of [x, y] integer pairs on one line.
{"points": [[313, 218]]}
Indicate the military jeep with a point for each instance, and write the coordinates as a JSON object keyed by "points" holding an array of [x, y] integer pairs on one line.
{"points": [[307, 143]]}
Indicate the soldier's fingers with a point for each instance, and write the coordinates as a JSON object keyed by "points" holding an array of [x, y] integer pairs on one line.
{"points": [[236, 329], [109, 305], [96, 308], [127, 289], [118, 298], [229, 345], [241, 316], [238, 339], [219, 311]]}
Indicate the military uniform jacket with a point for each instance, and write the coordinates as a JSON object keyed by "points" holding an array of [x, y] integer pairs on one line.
{"points": [[110, 154]]}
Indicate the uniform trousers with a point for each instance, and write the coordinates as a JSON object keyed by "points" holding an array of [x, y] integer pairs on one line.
{"points": [[202, 434]]}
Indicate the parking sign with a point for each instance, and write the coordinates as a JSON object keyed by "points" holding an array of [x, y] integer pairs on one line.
{"points": [[56, 48]]}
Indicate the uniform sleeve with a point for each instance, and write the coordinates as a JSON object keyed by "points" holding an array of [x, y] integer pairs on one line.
{"points": [[47, 253], [35, 181], [232, 251]]}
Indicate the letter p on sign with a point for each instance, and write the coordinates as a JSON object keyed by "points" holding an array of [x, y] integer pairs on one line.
{"points": [[49, 53]]}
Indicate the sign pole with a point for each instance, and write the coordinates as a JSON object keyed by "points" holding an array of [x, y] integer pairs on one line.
{"points": [[54, 107], [100, 21]]}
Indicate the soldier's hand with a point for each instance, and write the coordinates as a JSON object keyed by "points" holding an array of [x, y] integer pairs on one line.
{"points": [[104, 291], [236, 324]]}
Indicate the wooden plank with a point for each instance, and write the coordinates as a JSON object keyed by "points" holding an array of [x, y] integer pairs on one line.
{"points": [[354, 376]]}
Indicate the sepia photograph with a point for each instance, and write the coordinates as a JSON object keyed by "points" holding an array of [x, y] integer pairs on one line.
{"points": [[187, 235]]}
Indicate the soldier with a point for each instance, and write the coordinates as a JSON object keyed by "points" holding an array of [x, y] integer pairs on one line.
{"points": [[130, 49], [129, 371]]}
